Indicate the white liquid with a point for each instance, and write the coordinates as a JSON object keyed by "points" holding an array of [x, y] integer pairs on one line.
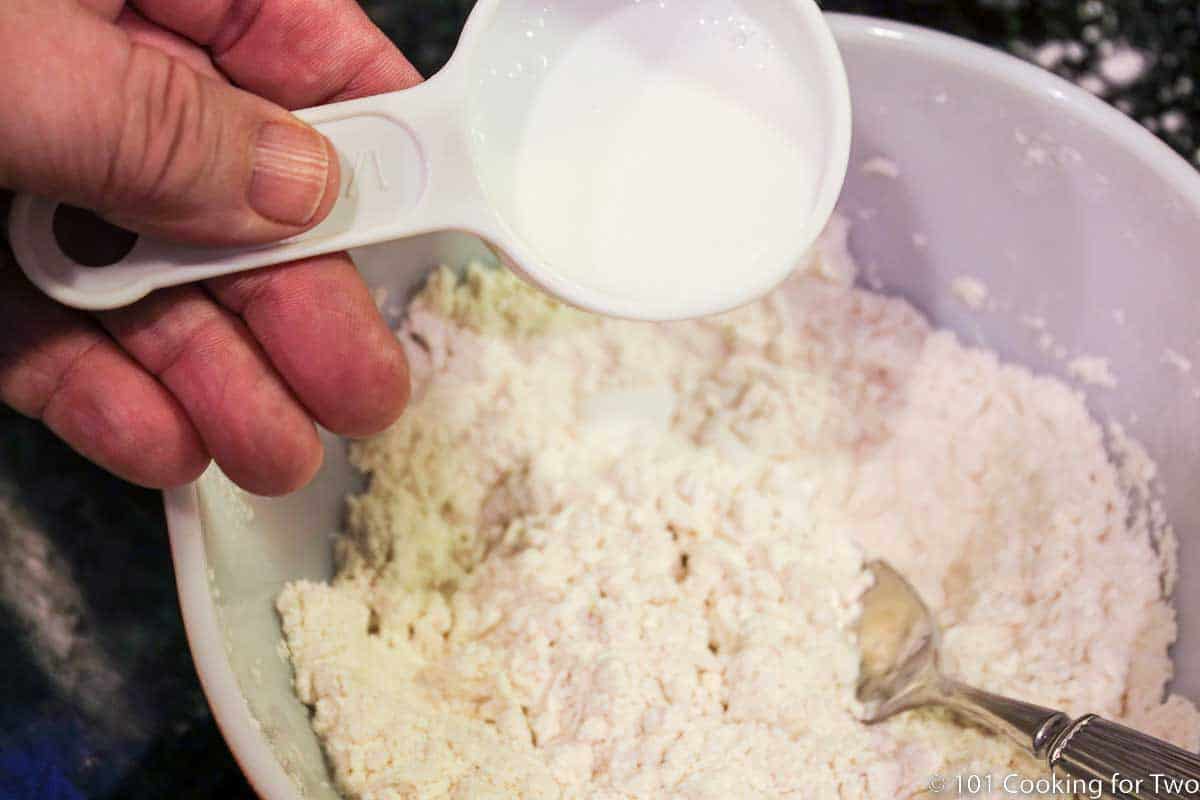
{"points": [[668, 155]]}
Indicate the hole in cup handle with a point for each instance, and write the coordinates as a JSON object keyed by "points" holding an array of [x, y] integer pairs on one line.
{"points": [[385, 171], [96, 279], [91, 281], [89, 240]]}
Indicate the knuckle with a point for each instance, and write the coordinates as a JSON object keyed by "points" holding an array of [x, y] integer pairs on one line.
{"points": [[238, 19], [170, 345], [160, 147], [62, 380]]}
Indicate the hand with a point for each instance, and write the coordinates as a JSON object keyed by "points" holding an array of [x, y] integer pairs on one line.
{"points": [[131, 110]]}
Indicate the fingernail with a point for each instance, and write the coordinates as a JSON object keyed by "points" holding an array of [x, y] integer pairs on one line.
{"points": [[291, 168]]}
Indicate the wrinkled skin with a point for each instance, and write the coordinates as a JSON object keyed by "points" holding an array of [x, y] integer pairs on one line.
{"points": [[146, 112]]}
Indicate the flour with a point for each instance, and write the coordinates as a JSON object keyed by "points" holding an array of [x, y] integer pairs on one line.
{"points": [[1177, 361], [971, 291], [1121, 65], [1092, 370], [1118, 64], [604, 559], [880, 166]]}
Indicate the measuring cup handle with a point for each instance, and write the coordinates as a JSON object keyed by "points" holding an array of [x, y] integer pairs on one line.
{"points": [[405, 169]]}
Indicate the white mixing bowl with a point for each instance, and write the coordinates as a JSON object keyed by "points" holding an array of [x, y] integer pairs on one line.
{"points": [[1062, 206]]}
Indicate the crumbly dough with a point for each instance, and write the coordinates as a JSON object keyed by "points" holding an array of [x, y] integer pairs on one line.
{"points": [[606, 559]]}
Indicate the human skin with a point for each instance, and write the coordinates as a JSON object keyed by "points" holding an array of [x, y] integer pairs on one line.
{"points": [[169, 117]]}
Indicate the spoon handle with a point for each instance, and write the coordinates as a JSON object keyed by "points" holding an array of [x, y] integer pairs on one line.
{"points": [[1031, 726], [1105, 758], [1124, 763]]}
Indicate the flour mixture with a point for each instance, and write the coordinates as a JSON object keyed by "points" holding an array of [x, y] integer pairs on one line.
{"points": [[604, 559]]}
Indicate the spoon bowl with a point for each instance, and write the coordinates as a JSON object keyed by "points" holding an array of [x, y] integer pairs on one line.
{"points": [[899, 670], [899, 646]]}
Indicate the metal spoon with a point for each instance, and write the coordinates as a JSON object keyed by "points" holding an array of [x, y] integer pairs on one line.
{"points": [[900, 670]]}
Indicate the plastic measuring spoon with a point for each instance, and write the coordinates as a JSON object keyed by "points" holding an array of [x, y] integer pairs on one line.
{"points": [[652, 159]]}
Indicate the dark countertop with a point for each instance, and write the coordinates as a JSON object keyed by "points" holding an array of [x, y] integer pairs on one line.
{"points": [[98, 696]]}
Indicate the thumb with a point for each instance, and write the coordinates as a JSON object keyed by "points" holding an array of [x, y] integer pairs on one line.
{"points": [[147, 141]]}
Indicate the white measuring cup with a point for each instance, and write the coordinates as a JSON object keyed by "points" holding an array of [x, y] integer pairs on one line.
{"points": [[651, 159]]}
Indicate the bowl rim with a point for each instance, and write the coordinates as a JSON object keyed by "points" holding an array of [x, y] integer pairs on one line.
{"points": [[243, 734], [1007, 68]]}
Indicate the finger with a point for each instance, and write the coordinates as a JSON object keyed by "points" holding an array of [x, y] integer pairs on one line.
{"points": [[145, 139], [250, 423], [295, 52], [105, 9], [315, 319], [143, 31], [320, 325], [57, 366]]}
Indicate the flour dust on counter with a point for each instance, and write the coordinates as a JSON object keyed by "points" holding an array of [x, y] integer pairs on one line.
{"points": [[607, 559]]}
